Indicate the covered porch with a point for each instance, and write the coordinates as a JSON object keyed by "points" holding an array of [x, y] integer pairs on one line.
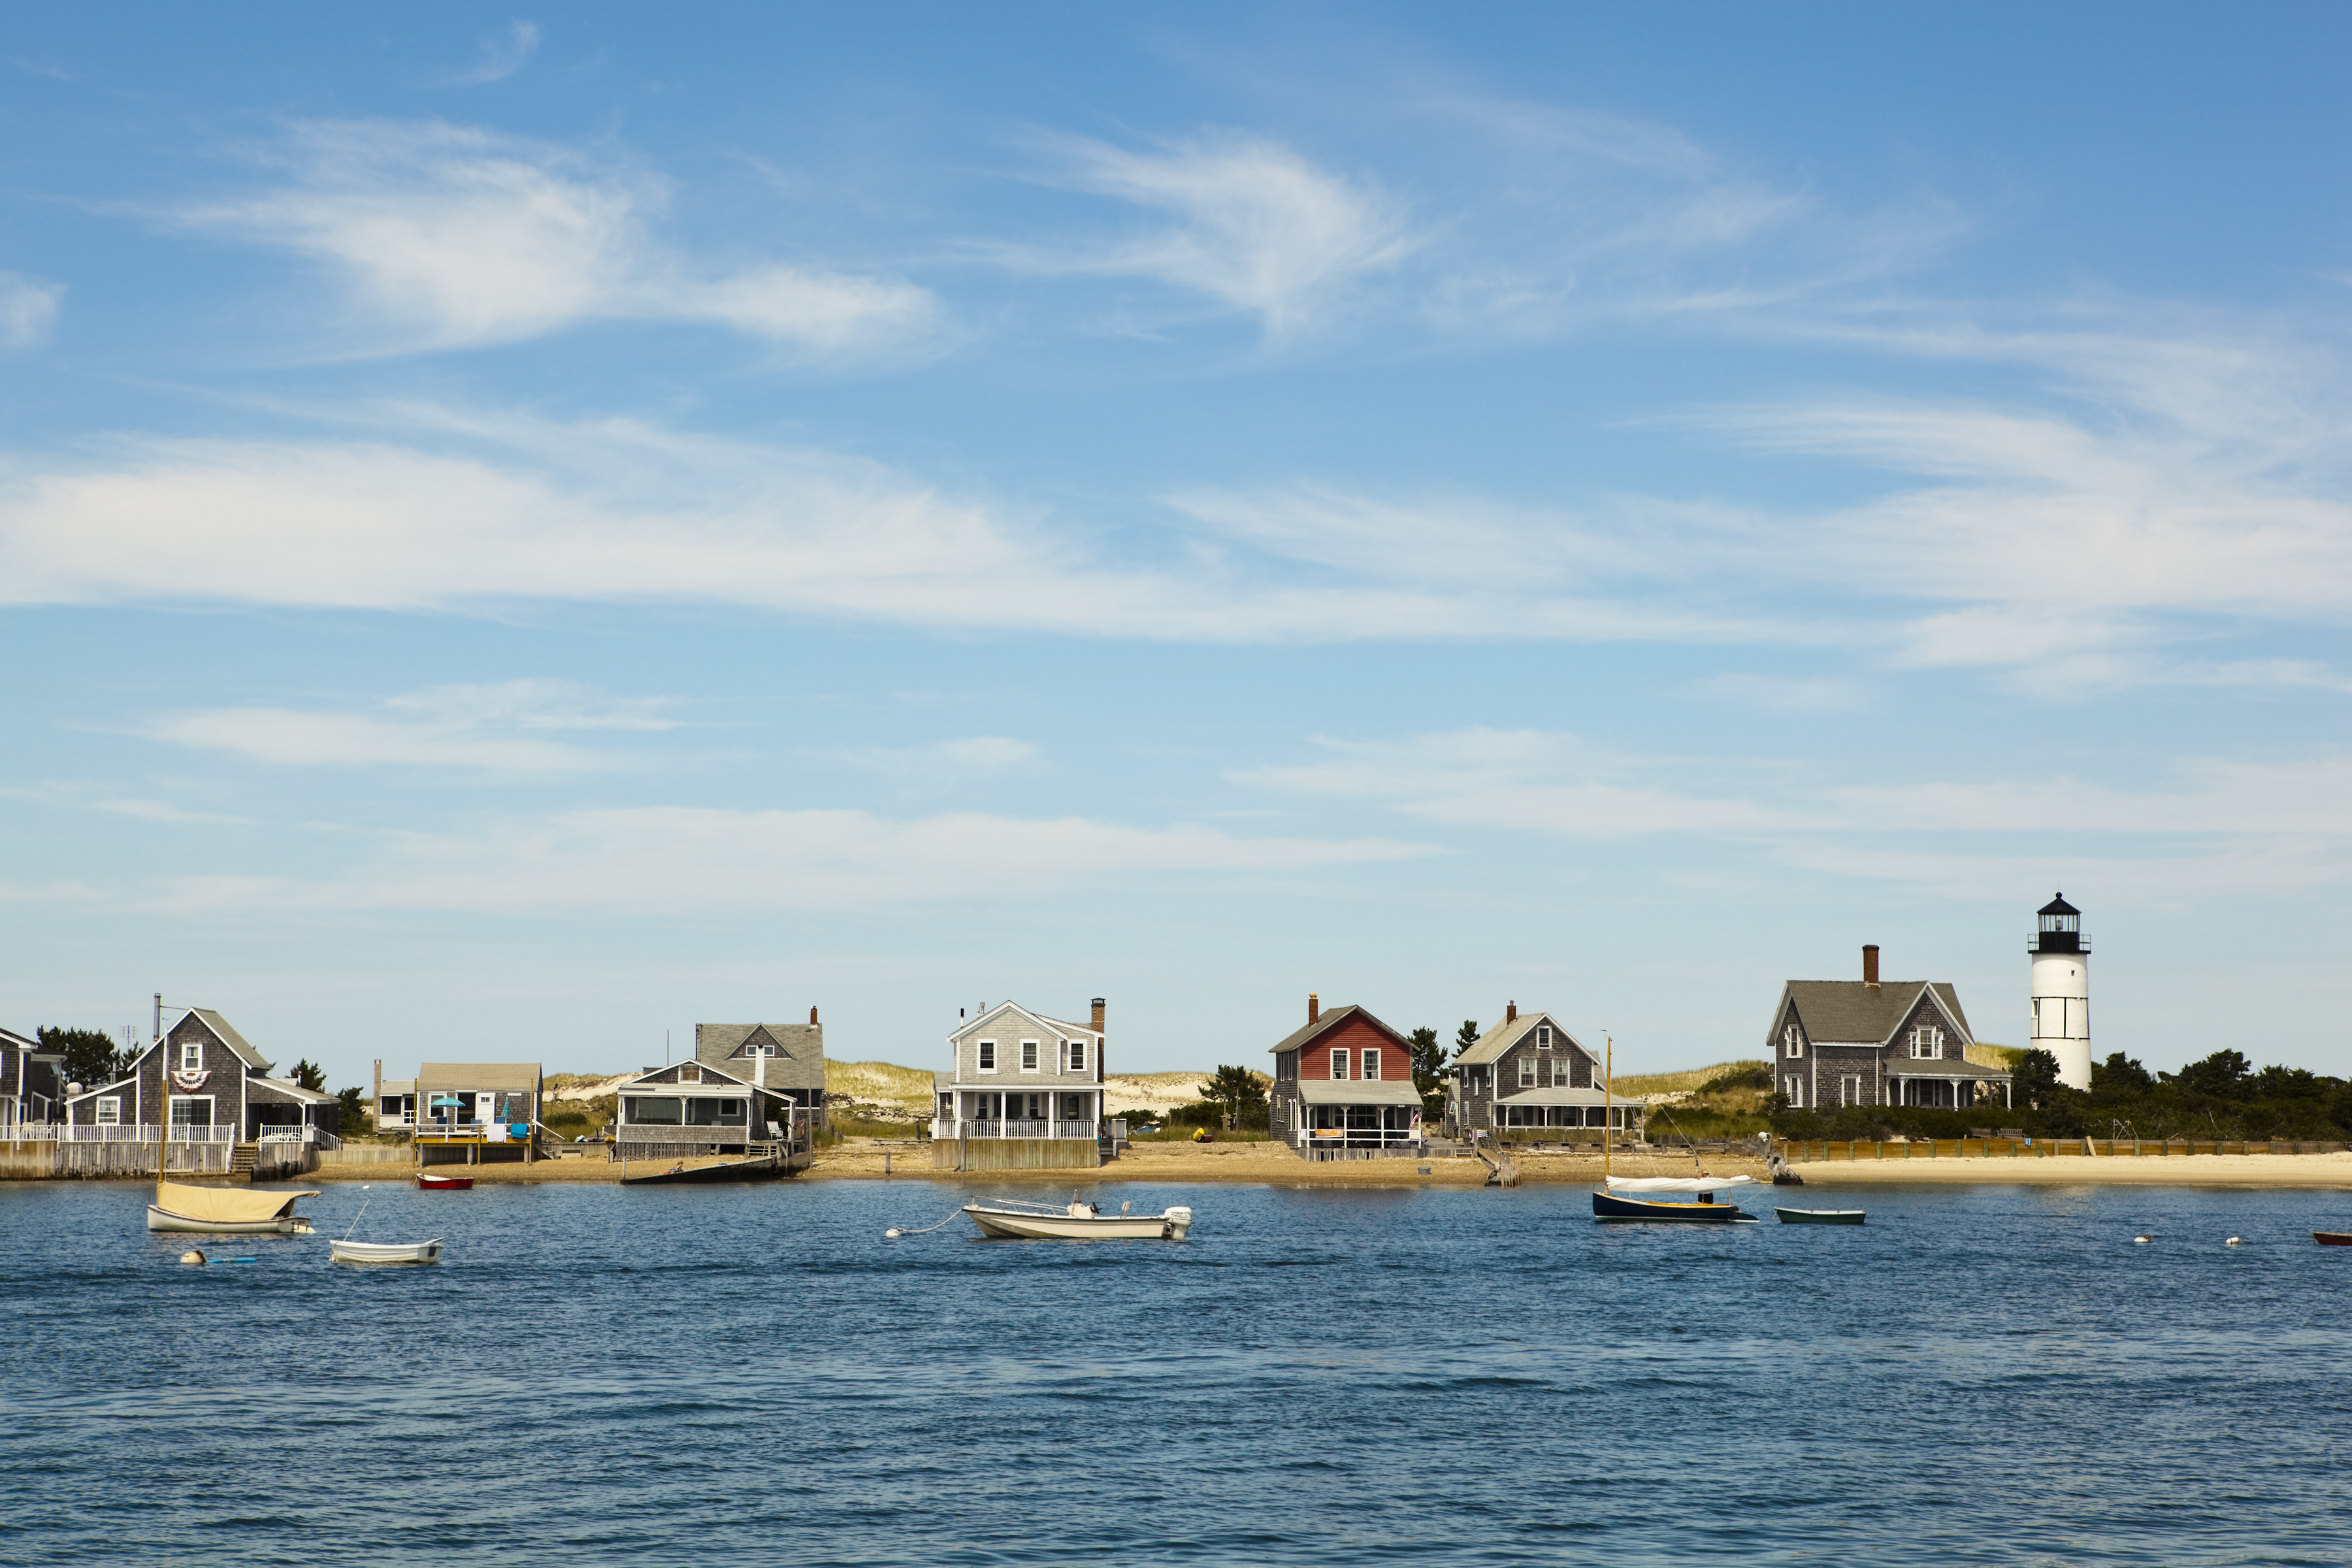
{"points": [[1001, 1113], [1555, 1110], [1341, 1114], [1945, 1085]]}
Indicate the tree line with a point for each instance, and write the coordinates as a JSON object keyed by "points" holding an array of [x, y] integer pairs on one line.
{"points": [[2222, 1096]]}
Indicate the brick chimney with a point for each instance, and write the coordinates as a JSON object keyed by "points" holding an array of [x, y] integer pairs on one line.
{"points": [[812, 1016], [1511, 1014], [1314, 1007], [1098, 1014], [1870, 964]]}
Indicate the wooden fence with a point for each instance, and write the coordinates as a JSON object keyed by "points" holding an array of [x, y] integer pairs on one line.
{"points": [[45, 1158], [1816, 1150]]}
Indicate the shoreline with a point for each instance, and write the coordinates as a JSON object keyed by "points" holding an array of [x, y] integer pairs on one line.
{"points": [[1273, 1165]]}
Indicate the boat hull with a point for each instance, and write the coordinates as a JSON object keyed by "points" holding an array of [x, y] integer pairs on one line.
{"points": [[443, 1184], [1820, 1216], [381, 1253], [2333, 1237], [1011, 1224], [285, 1224], [1609, 1207]]}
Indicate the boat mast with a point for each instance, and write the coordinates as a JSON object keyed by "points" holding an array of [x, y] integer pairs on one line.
{"points": [[1608, 1102], [163, 1112]]}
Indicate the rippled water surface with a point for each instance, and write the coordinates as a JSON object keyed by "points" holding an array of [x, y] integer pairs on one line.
{"points": [[1980, 1374]]}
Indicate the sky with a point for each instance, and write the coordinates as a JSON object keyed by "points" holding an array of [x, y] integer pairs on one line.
{"points": [[523, 532]]}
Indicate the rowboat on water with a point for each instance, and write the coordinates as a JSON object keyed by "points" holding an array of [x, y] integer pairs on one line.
{"points": [[221, 1211], [2333, 1237], [443, 1184], [1820, 1216], [1018, 1218], [385, 1251]]}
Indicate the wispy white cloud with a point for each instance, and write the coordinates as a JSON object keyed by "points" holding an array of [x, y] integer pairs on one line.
{"points": [[2231, 823], [473, 509], [449, 236], [500, 55], [28, 310], [495, 728], [1253, 225], [676, 859]]}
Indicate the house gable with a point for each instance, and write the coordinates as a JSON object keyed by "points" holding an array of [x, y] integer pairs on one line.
{"points": [[1008, 1026]]}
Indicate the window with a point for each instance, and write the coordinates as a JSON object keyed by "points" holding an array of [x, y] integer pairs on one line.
{"points": [[690, 1073], [1077, 1055], [1074, 1107], [192, 1056], [1372, 1064], [947, 1106], [1850, 1091], [1543, 1036], [1793, 1042], [702, 1113], [1028, 1055], [1339, 1063], [660, 1109], [1927, 1044], [1793, 1086], [110, 1111], [988, 1055], [1526, 1071], [191, 1110]]}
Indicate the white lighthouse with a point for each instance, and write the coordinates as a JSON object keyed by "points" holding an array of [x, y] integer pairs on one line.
{"points": [[2062, 991]]}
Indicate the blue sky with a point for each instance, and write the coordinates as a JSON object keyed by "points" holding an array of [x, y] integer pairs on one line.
{"points": [[522, 533]]}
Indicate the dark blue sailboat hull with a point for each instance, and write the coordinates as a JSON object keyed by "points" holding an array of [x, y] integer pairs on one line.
{"points": [[1608, 1205]]}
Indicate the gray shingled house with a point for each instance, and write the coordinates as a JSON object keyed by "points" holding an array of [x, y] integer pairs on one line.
{"points": [[1527, 1075], [32, 1081], [1863, 1042], [785, 1062], [220, 1089], [691, 1109], [1025, 1093]]}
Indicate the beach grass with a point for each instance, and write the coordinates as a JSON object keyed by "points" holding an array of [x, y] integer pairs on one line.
{"points": [[1683, 1082]]}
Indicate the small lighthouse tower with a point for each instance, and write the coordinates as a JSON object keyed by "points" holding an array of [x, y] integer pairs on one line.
{"points": [[2062, 991]]}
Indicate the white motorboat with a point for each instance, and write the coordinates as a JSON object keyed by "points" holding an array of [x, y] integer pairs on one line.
{"points": [[385, 1251], [1075, 1221], [221, 1211]]}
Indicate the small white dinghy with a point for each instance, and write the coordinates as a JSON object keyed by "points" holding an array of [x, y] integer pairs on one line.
{"points": [[1077, 1221], [385, 1251]]}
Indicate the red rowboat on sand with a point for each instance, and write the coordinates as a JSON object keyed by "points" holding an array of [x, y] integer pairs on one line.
{"points": [[2333, 1237], [443, 1184]]}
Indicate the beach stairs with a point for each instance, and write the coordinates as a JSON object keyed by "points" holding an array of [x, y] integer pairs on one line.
{"points": [[1502, 1171], [242, 1160]]}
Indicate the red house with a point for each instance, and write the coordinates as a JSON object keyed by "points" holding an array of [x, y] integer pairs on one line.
{"points": [[1343, 1086]]}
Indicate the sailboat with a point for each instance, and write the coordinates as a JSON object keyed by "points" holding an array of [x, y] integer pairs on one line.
{"points": [[1625, 1197], [215, 1211]]}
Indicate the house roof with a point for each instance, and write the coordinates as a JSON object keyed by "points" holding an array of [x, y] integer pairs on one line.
{"points": [[228, 1036], [1508, 1032], [1355, 1092], [11, 1038], [2058, 905], [721, 1041], [1045, 1024], [668, 1077], [1840, 1011], [1557, 1097], [292, 1090], [478, 1076], [1331, 1020]]}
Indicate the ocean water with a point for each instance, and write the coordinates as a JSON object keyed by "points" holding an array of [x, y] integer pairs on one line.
{"points": [[1981, 1374]]}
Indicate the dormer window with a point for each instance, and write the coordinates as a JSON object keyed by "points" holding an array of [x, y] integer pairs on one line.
{"points": [[1339, 1062], [1793, 1043], [1927, 1044], [987, 1055]]}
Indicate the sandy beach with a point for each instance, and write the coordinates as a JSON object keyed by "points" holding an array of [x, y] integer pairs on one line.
{"points": [[2149, 1169]]}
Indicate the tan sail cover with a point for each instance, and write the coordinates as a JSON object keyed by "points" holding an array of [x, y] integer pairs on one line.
{"points": [[223, 1206]]}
